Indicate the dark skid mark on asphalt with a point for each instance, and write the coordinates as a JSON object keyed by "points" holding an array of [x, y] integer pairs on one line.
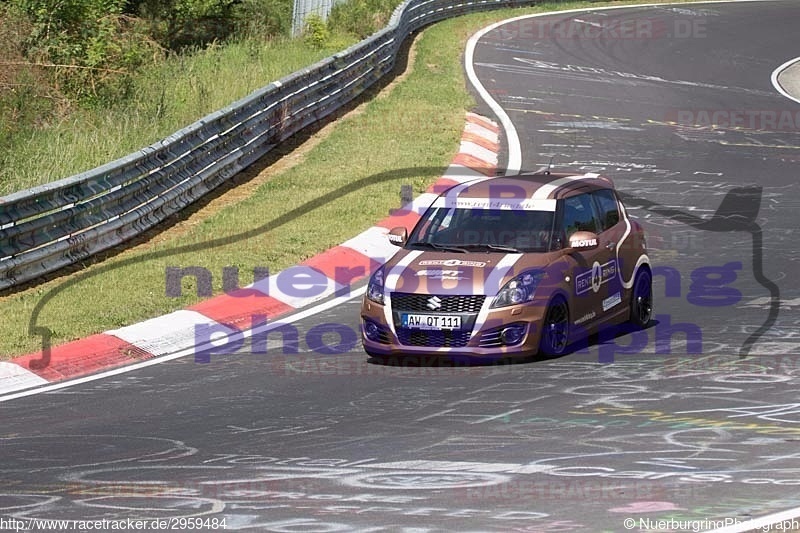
{"points": [[737, 212]]}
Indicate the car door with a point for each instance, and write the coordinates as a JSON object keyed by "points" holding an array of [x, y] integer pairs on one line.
{"points": [[610, 234], [579, 213]]}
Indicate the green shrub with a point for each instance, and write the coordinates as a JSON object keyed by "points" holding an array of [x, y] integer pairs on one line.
{"points": [[26, 99], [263, 19], [88, 47], [361, 18], [316, 32]]}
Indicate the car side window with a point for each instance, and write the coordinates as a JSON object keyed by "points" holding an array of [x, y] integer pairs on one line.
{"points": [[608, 206], [578, 215]]}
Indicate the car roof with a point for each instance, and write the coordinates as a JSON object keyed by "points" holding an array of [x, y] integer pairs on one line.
{"points": [[539, 185]]}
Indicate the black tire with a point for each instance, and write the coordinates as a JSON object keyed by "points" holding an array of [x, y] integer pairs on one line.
{"points": [[642, 299], [555, 329]]}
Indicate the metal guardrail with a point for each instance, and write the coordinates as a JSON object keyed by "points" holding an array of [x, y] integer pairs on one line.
{"points": [[58, 224]]}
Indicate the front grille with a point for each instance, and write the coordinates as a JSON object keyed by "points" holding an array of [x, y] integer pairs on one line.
{"points": [[403, 301], [433, 339], [467, 306]]}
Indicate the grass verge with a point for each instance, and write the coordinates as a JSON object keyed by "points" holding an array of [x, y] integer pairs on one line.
{"points": [[417, 124], [164, 98]]}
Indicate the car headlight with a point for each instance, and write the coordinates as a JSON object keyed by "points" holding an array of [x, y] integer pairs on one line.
{"points": [[375, 286], [518, 290]]}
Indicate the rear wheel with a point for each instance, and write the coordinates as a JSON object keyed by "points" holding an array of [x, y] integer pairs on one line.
{"points": [[555, 329], [642, 299]]}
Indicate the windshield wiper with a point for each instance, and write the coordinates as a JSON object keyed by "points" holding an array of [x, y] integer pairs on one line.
{"points": [[439, 247], [495, 248]]}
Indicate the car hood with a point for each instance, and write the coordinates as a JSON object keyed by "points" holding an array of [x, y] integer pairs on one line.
{"points": [[427, 272]]}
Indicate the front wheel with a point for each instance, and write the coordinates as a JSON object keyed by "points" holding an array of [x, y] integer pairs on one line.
{"points": [[642, 299], [555, 329]]}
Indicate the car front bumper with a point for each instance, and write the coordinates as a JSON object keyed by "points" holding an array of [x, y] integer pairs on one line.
{"points": [[504, 332]]}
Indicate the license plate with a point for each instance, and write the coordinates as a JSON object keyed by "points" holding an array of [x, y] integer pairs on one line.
{"points": [[435, 322]]}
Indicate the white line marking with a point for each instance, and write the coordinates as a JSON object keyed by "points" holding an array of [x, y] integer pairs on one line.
{"points": [[479, 152], [593, 24], [514, 162], [760, 523], [373, 243], [480, 131], [166, 334], [777, 85], [188, 351], [15, 377], [298, 286]]}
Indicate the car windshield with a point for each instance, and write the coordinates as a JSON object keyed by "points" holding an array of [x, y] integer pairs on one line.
{"points": [[501, 230]]}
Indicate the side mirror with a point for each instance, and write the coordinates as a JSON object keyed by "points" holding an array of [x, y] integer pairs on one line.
{"points": [[398, 236], [582, 240]]}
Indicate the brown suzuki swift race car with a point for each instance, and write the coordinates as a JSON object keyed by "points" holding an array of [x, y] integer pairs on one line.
{"points": [[509, 266]]}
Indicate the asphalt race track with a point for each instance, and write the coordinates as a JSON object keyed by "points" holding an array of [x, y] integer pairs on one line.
{"points": [[694, 420]]}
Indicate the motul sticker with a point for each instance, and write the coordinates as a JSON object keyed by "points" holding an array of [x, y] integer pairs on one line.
{"points": [[583, 243]]}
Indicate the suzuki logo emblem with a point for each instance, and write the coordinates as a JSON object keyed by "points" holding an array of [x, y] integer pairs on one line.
{"points": [[434, 302]]}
